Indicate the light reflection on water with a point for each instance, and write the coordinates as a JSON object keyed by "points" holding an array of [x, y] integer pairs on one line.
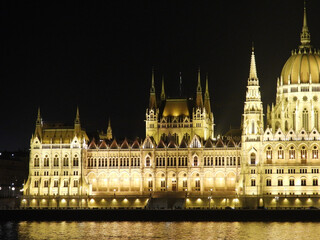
{"points": [[159, 230]]}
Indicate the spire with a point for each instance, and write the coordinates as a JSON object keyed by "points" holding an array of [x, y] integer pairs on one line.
{"points": [[305, 34], [199, 100], [253, 68], [77, 126], [152, 100], [109, 130], [38, 130], [163, 94], [207, 97]]}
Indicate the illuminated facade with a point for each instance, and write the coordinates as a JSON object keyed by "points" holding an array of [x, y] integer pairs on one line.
{"points": [[273, 165]]}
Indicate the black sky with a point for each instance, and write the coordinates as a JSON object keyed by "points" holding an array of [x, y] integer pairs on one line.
{"points": [[99, 56]]}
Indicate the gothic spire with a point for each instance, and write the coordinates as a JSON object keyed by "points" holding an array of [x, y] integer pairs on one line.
{"points": [[305, 34], [77, 127], [207, 97], [163, 94], [199, 100], [152, 99], [109, 130], [38, 130], [253, 68]]}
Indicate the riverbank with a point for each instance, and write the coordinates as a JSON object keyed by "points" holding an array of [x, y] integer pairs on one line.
{"points": [[159, 215]]}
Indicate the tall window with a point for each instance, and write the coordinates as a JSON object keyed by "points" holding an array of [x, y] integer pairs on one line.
{"points": [[268, 182], [184, 184], [197, 184], [315, 182], [253, 182], [305, 120], [303, 154], [46, 183], [303, 182], [280, 153], [195, 161], [291, 182], [66, 161], [56, 161], [75, 161], [148, 164], [315, 153], [280, 182], [75, 183], [292, 153], [316, 119], [253, 158], [36, 183], [36, 161], [46, 161], [55, 183], [294, 120], [269, 154]]}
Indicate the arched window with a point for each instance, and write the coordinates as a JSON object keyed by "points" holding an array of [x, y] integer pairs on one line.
{"points": [[315, 154], [303, 154], [195, 161], [148, 163], [292, 153], [46, 161], [56, 161], [75, 161], [36, 161], [253, 130], [305, 120], [253, 158], [269, 154], [66, 161], [316, 119], [280, 153]]}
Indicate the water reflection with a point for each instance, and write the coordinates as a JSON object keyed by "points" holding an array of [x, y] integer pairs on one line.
{"points": [[159, 230]]}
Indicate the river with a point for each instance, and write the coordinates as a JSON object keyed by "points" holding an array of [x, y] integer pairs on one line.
{"points": [[159, 230]]}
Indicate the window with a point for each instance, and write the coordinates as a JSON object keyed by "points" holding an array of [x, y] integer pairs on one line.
{"points": [[280, 153], [253, 182], [253, 171], [291, 170], [315, 182], [148, 164], [150, 183], [55, 183], [280, 171], [303, 182], [305, 120], [75, 161], [66, 161], [163, 184], [303, 170], [46, 161], [56, 161], [36, 161], [316, 119], [269, 154], [184, 183], [253, 158], [315, 170], [36, 183], [46, 183], [65, 173], [195, 161], [197, 184], [291, 182], [280, 182], [292, 153], [75, 173], [268, 182], [315, 153], [303, 153], [55, 173], [75, 183], [65, 183]]}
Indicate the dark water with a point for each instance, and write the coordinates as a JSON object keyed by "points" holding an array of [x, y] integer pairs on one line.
{"points": [[159, 230]]}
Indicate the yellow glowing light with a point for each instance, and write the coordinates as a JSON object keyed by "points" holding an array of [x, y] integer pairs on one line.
{"points": [[73, 200], [199, 200], [63, 200], [92, 200]]}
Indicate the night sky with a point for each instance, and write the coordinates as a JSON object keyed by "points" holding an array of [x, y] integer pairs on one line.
{"points": [[99, 56]]}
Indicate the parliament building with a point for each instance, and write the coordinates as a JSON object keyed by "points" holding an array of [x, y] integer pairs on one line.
{"points": [[181, 163]]}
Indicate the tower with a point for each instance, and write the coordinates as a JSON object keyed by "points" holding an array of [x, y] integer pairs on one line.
{"points": [[252, 131], [152, 111]]}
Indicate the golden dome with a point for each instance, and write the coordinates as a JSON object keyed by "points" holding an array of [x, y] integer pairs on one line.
{"points": [[302, 64], [176, 107]]}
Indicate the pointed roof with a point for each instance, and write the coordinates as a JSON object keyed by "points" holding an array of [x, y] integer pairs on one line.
{"points": [[163, 94], [92, 144], [103, 145], [207, 97], [208, 144], [125, 144], [199, 100], [135, 144], [161, 144], [253, 68], [305, 34], [183, 143], [114, 144], [152, 100]]}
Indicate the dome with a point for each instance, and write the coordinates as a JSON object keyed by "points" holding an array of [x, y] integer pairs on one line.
{"points": [[303, 64]]}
